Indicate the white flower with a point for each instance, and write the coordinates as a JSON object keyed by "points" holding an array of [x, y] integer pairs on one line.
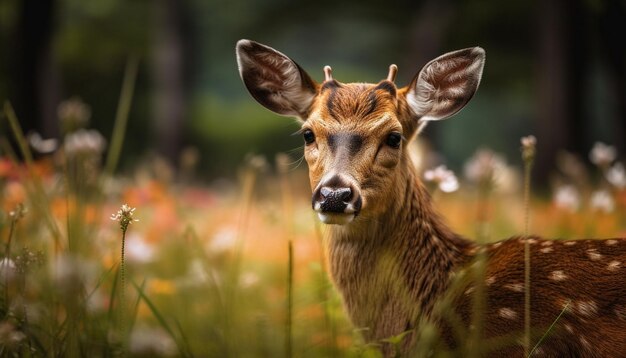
{"points": [[443, 177], [248, 280], [616, 175], [528, 148], [124, 216], [567, 197], [602, 155], [528, 141], [224, 240], [19, 212], [482, 166], [602, 200], [84, 141], [146, 341], [41, 145], [74, 113], [138, 250]]}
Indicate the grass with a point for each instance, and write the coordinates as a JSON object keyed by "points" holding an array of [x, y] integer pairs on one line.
{"points": [[228, 271]]}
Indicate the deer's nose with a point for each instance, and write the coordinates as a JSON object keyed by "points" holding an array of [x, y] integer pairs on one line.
{"points": [[336, 197]]}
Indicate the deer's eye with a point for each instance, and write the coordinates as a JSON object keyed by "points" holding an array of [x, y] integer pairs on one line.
{"points": [[308, 136], [394, 139]]}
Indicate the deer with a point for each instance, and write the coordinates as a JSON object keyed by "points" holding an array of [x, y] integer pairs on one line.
{"points": [[395, 262]]}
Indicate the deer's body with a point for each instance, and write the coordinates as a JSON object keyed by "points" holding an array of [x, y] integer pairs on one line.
{"points": [[397, 265]]}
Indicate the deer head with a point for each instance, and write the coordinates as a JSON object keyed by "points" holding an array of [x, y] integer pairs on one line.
{"points": [[356, 134]]}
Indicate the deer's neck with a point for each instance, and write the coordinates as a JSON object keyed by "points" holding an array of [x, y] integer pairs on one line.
{"points": [[391, 269]]}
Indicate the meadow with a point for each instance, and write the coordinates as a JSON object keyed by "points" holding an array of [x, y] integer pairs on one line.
{"points": [[154, 262]]}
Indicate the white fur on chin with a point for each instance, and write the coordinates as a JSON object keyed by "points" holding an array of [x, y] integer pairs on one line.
{"points": [[335, 218]]}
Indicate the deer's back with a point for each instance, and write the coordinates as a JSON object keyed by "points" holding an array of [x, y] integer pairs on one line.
{"points": [[579, 286]]}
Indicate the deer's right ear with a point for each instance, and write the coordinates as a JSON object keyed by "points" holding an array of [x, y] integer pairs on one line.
{"points": [[275, 80]]}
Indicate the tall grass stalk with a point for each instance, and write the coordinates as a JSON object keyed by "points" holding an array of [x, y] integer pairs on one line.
{"points": [[121, 117], [230, 300], [289, 323], [475, 346], [125, 217], [282, 163], [528, 155]]}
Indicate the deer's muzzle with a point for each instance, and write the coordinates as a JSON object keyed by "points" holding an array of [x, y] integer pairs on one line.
{"points": [[336, 200]]}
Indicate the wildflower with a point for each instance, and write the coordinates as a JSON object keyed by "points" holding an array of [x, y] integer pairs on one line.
{"points": [[73, 114], [148, 342], [138, 250], [443, 177], [28, 259], [567, 197], [248, 280], [483, 165], [616, 176], [602, 155], [224, 240], [124, 216], [84, 141], [41, 145], [528, 147], [602, 200], [19, 212]]}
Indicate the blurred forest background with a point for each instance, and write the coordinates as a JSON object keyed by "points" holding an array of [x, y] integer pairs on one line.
{"points": [[555, 69]]}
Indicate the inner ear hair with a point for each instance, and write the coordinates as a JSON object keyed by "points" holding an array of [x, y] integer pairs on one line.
{"points": [[446, 84], [274, 80]]}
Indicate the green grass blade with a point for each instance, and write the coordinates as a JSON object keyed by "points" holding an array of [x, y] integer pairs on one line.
{"points": [[181, 347], [121, 117], [549, 329]]}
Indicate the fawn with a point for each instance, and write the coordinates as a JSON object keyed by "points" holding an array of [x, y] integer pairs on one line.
{"points": [[391, 256]]}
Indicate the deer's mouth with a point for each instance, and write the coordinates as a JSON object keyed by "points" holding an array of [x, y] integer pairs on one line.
{"points": [[335, 218]]}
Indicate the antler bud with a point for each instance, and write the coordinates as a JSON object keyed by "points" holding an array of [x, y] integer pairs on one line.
{"points": [[328, 73], [393, 70]]}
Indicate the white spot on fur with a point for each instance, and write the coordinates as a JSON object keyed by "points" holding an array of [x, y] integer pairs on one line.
{"points": [[530, 241], [594, 254], [569, 328], [557, 275], [496, 245], [586, 308], [569, 243], [469, 290], [546, 243], [490, 280], [517, 287], [546, 250], [614, 265], [507, 313], [611, 242]]}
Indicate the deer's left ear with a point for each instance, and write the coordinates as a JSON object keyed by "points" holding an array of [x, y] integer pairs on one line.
{"points": [[275, 80], [445, 85]]}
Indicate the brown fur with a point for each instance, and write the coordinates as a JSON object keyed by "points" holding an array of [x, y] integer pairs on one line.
{"points": [[397, 265]]}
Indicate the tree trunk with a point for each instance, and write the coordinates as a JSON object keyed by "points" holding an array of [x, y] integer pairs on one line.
{"points": [[170, 85], [560, 74], [33, 73]]}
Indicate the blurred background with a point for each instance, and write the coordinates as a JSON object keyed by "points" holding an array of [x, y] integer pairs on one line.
{"points": [[555, 69]]}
